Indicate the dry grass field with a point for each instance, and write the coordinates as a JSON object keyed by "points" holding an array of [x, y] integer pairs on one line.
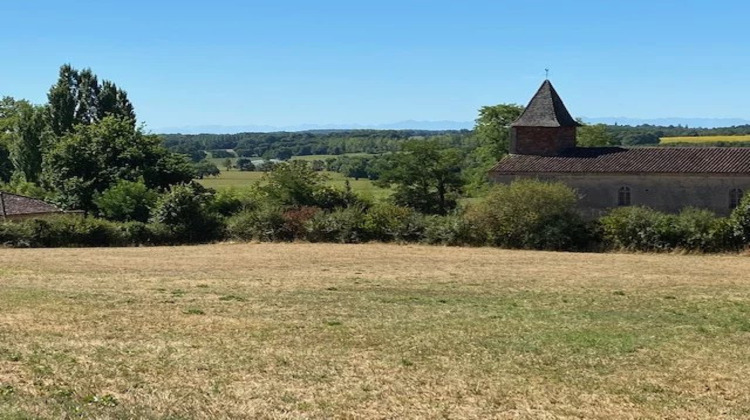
{"points": [[371, 331]]}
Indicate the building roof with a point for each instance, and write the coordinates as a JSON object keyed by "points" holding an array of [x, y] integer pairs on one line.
{"points": [[687, 160], [545, 109], [14, 205]]}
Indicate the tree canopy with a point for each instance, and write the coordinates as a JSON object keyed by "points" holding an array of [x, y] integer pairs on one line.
{"points": [[92, 158], [426, 175], [79, 98]]}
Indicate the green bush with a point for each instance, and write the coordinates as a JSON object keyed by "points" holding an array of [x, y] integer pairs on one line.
{"points": [[265, 223], [644, 229], [126, 201], [639, 229], [700, 230], [451, 230], [530, 214], [739, 223], [185, 210], [346, 225], [15, 234], [63, 231], [389, 222]]}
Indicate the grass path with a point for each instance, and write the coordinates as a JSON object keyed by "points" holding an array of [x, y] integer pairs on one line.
{"points": [[371, 331]]}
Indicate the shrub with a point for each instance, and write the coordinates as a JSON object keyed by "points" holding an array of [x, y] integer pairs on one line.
{"points": [[126, 201], [330, 198], [185, 210], [265, 223], [245, 164], [296, 221], [345, 225], [451, 230], [62, 231], [205, 168], [389, 222], [643, 229], [226, 202], [15, 234], [293, 184], [700, 230], [529, 214], [739, 223], [638, 229], [221, 154]]}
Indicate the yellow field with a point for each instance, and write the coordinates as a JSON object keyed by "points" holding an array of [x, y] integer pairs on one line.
{"points": [[703, 139], [371, 331]]}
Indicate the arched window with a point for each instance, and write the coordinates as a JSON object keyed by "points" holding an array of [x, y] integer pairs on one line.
{"points": [[735, 196], [623, 196]]}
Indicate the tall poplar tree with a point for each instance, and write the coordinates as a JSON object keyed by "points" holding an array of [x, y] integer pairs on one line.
{"points": [[27, 140], [79, 98]]}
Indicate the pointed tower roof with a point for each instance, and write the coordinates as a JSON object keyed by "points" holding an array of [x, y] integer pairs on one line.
{"points": [[545, 109]]}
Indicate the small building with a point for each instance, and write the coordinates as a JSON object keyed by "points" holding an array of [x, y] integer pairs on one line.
{"points": [[15, 207], [543, 146]]}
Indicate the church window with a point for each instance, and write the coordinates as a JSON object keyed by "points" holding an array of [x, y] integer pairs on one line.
{"points": [[623, 196], [735, 196]]}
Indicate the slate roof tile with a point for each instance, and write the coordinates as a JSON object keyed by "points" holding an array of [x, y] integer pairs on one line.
{"points": [[545, 109]]}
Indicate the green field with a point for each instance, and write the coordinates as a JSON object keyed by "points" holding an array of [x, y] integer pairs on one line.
{"points": [[324, 157], [371, 331], [704, 139], [240, 179]]}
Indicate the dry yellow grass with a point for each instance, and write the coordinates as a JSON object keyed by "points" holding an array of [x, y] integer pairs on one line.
{"points": [[704, 139], [371, 331]]}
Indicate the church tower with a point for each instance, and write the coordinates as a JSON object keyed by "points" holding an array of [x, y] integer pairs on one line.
{"points": [[545, 127]]}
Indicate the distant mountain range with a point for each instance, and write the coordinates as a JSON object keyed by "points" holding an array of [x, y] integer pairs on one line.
{"points": [[440, 125], [689, 122]]}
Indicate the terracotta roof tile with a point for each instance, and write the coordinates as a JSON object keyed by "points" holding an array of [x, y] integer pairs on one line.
{"points": [[694, 160]]}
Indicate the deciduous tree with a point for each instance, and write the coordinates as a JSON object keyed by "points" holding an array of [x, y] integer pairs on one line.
{"points": [[94, 157], [79, 98], [595, 135], [426, 175], [27, 140]]}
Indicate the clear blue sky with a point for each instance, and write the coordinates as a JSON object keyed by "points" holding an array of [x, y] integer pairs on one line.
{"points": [[290, 62]]}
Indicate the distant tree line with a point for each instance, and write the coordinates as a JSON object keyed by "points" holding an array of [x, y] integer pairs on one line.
{"points": [[284, 145]]}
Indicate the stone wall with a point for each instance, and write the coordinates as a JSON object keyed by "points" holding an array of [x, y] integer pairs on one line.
{"points": [[664, 192]]}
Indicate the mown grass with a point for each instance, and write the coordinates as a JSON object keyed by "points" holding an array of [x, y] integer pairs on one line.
{"points": [[704, 139], [242, 179], [371, 331]]}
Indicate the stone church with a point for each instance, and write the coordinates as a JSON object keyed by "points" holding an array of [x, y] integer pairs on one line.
{"points": [[543, 146]]}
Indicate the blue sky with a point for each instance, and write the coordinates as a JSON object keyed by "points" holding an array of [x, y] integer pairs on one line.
{"points": [[289, 62]]}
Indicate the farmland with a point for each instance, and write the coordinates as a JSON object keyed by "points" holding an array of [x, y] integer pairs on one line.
{"points": [[244, 179], [371, 331], [704, 139]]}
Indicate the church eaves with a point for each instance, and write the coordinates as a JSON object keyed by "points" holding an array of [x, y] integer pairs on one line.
{"points": [[545, 109]]}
